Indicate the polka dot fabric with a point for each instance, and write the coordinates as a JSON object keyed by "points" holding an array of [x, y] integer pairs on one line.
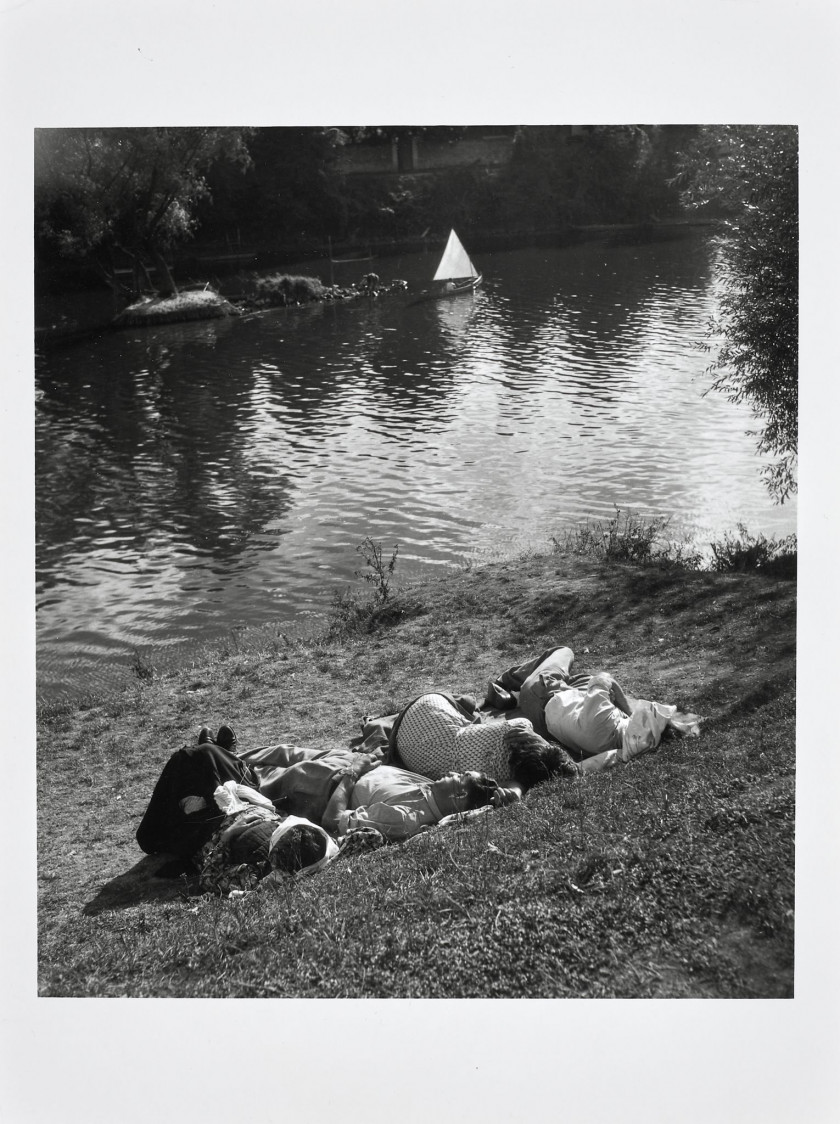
{"points": [[434, 739]]}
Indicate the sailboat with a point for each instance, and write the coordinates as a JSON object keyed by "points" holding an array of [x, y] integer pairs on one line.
{"points": [[455, 274]]}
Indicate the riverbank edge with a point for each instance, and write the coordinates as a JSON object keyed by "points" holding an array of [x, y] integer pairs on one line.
{"points": [[722, 644]]}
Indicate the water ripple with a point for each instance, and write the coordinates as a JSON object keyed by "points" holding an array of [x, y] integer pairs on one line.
{"points": [[194, 478]]}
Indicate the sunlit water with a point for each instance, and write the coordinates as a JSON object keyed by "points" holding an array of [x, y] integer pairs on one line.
{"points": [[195, 478]]}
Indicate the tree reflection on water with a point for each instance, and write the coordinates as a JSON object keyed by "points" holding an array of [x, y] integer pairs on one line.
{"points": [[194, 478]]}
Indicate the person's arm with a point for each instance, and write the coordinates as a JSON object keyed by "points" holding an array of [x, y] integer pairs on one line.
{"points": [[338, 803], [394, 821], [599, 762], [619, 698], [501, 797], [507, 795], [603, 681]]}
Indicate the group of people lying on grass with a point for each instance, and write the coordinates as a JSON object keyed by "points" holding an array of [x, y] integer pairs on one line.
{"points": [[243, 818]]}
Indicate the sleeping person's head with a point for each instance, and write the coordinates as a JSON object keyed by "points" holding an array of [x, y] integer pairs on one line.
{"points": [[461, 792], [299, 846], [532, 759]]}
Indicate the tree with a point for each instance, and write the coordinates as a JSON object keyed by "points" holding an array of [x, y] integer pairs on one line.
{"points": [[599, 174], [748, 175], [291, 194], [98, 191]]}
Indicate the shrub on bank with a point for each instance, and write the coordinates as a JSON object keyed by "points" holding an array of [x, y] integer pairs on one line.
{"points": [[287, 288], [352, 614], [744, 551], [628, 537]]}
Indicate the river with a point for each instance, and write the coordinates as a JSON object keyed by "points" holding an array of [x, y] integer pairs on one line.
{"points": [[196, 478]]}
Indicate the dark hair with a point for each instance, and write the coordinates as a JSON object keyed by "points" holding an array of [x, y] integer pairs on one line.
{"points": [[480, 790], [302, 845], [532, 759]]}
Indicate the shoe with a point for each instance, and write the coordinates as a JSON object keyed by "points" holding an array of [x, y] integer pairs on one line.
{"points": [[498, 698], [205, 736], [226, 738]]}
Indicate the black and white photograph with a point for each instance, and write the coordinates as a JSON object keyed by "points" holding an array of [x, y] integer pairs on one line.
{"points": [[412, 448]]}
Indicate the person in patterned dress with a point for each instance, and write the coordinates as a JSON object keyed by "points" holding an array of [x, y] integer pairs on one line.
{"points": [[435, 736]]}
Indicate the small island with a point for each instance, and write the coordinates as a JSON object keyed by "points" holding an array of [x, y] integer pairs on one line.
{"points": [[258, 293]]}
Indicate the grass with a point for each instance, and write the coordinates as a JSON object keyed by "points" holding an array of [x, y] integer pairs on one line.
{"points": [[754, 552], [630, 537], [672, 876], [189, 304]]}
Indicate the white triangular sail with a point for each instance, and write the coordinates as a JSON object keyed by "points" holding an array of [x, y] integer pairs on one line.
{"points": [[455, 261]]}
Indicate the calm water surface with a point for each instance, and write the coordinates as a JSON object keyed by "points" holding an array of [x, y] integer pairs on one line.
{"points": [[192, 479]]}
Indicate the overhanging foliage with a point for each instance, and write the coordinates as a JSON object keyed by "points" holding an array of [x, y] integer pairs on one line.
{"points": [[748, 175]]}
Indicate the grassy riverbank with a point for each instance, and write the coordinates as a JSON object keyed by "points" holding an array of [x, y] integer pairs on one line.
{"points": [[672, 876]]}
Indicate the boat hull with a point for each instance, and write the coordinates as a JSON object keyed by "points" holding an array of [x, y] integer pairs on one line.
{"points": [[457, 290]]}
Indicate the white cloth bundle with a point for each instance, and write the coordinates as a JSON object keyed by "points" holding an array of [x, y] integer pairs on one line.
{"points": [[599, 762], [231, 797], [647, 724]]}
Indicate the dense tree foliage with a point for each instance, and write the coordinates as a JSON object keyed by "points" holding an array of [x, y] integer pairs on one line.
{"points": [[291, 194], [111, 197], [555, 178], [99, 192], [749, 176], [604, 173], [373, 134]]}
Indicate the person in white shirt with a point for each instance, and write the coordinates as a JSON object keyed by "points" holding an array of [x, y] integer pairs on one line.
{"points": [[590, 716], [399, 804]]}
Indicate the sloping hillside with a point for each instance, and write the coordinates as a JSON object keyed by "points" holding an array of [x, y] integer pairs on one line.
{"points": [[671, 876]]}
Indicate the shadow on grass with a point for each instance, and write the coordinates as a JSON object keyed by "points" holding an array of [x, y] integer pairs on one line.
{"points": [[153, 879]]}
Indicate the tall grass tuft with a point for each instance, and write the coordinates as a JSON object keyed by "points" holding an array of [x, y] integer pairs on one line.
{"points": [[353, 614], [741, 552], [628, 537], [378, 572], [142, 666]]}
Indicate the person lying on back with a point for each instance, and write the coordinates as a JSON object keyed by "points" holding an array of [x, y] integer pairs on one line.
{"points": [[399, 804], [322, 785], [257, 845], [589, 714], [302, 781]]}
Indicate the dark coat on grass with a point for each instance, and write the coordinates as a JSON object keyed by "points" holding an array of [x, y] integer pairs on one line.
{"points": [[191, 771]]}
